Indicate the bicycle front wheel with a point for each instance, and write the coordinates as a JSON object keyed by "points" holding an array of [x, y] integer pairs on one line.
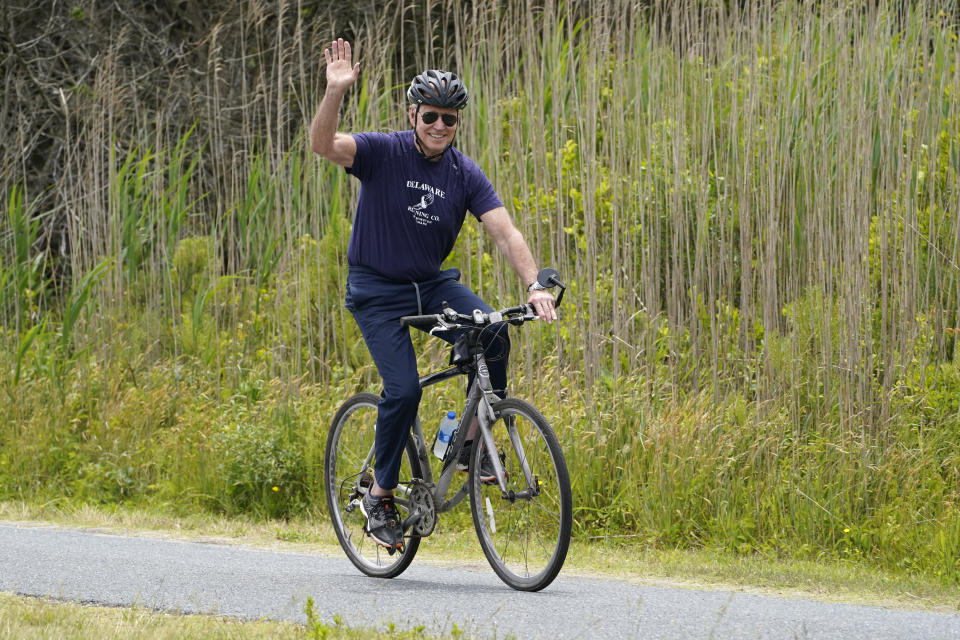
{"points": [[348, 473], [526, 533]]}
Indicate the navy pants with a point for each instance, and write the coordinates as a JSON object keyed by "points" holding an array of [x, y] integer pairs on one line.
{"points": [[377, 304]]}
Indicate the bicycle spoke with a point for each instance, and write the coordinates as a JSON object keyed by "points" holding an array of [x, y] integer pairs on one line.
{"points": [[552, 514]]}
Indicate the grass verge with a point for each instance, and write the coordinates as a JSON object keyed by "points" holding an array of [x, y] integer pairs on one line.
{"points": [[26, 617], [44, 619]]}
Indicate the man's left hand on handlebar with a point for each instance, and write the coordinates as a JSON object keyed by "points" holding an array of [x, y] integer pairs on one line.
{"points": [[543, 304]]}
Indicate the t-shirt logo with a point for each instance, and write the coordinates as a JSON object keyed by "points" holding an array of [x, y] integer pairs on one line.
{"points": [[420, 211], [425, 202]]}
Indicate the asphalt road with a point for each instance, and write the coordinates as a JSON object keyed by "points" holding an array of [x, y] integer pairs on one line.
{"points": [[194, 577]]}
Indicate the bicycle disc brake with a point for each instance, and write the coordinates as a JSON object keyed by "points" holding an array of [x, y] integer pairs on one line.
{"points": [[422, 503]]}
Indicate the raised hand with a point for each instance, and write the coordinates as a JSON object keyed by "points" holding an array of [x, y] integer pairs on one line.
{"points": [[341, 73]]}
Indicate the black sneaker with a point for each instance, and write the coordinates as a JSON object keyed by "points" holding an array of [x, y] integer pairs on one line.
{"points": [[383, 521], [488, 474]]}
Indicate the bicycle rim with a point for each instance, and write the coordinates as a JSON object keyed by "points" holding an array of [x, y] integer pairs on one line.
{"points": [[526, 539], [346, 466]]}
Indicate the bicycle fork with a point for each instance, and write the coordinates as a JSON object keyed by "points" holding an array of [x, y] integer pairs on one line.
{"points": [[486, 417]]}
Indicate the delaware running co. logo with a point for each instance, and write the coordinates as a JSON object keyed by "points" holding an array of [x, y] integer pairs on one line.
{"points": [[420, 211], [425, 202]]}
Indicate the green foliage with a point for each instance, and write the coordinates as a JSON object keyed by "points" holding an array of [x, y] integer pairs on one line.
{"points": [[76, 304], [192, 265], [317, 629], [734, 478], [311, 292], [252, 232], [50, 346], [22, 280], [263, 465], [150, 200]]}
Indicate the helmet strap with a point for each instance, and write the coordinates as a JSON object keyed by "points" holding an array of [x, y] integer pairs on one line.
{"points": [[419, 143]]}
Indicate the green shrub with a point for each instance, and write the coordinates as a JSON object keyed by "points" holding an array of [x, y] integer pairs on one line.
{"points": [[264, 466]]}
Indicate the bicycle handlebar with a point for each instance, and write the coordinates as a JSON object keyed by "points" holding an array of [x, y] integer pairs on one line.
{"points": [[451, 319]]}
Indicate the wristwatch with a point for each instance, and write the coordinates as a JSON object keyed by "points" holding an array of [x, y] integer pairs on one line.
{"points": [[536, 286]]}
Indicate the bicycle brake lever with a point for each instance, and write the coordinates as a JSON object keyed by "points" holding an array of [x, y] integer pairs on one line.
{"points": [[444, 326]]}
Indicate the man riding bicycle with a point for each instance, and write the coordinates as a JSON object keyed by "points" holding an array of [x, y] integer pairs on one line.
{"points": [[415, 190]]}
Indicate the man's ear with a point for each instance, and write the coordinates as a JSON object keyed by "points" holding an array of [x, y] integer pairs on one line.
{"points": [[412, 115]]}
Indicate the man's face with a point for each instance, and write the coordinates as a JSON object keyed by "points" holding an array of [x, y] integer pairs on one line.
{"points": [[436, 135]]}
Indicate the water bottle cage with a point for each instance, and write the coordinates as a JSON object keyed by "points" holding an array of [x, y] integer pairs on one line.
{"points": [[448, 454]]}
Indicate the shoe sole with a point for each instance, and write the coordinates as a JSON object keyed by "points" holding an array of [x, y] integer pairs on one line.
{"points": [[391, 548]]}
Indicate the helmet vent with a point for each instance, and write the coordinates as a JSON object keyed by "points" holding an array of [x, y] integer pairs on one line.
{"points": [[438, 89]]}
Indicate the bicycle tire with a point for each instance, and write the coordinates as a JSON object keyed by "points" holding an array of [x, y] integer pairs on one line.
{"points": [[349, 441], [525, 540]]}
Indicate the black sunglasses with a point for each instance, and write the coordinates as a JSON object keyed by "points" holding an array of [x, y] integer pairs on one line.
{"points": [[429, 117]]}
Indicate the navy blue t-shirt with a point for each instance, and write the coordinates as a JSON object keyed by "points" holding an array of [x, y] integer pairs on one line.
{"points": [[410, 209]]}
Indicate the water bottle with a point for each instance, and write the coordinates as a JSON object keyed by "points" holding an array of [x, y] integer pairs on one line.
{"points": [[447, 426]]}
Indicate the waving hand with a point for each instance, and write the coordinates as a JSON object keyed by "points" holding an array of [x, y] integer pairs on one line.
{"points": [[341, 73]]}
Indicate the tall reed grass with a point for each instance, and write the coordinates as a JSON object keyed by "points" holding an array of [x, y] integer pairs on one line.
{"points": [[755, 207]]}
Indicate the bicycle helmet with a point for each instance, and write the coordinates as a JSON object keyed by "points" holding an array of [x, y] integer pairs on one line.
{"points": [[439, 89]]}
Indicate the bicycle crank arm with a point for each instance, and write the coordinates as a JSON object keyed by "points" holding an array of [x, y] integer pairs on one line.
{"points": [[412, 520]]}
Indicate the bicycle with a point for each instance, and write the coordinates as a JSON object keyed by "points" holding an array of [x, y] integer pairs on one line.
{"points": [[523, 520]]}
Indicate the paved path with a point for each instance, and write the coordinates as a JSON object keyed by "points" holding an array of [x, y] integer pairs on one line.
{"points": [[236, 581]]}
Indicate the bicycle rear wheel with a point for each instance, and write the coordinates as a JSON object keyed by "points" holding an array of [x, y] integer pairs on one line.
{"points": [[348, 472], [524, 538]]}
